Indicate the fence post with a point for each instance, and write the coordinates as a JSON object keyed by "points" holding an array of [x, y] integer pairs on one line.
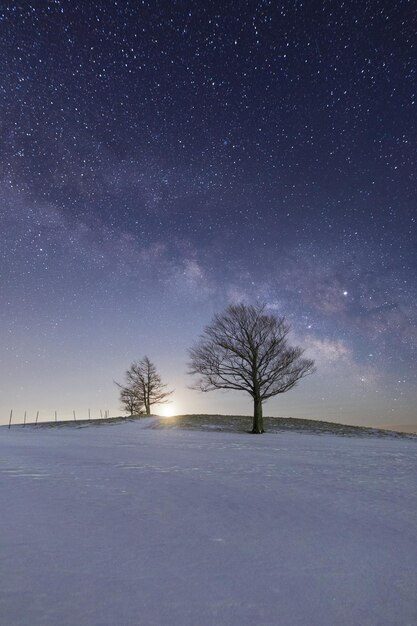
{"points": [[37, 415], [101, 414], [89, 415], [55, 417], [10, 418], [75, 419], [24, 419]]}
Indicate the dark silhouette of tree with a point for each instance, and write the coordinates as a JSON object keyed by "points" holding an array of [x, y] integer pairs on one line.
{"points": [[129, 401], [246, 349], [143, 387]]}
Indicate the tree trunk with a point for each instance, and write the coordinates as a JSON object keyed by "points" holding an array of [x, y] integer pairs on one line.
{"points": [[147, 409], [258, 421]]}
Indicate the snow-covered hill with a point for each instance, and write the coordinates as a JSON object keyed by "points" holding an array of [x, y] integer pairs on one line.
{"points": [[125, 525]]}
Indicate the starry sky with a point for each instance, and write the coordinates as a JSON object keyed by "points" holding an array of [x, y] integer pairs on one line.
{"points": [[161, 159]]}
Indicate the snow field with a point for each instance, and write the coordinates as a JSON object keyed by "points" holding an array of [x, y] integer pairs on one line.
{"points": [[124, 525]]}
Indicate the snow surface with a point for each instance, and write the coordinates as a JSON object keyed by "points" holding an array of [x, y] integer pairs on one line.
{"points": [[124, 525]]}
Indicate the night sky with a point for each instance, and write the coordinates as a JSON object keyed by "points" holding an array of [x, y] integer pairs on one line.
{"points": [[163, 159]]}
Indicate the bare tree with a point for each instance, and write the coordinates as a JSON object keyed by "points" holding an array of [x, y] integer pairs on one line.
{"points": [[129, 401], [246, 349], [143, 388]]}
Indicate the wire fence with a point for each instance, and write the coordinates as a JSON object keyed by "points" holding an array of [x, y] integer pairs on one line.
{"points": [[35, 419]]}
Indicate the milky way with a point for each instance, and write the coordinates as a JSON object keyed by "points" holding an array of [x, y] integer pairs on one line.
{"points": [[163, 159]]}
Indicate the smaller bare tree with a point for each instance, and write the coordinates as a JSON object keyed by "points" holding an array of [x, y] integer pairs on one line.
{"points": [[246, 349], [129, 401], [143, 388]]}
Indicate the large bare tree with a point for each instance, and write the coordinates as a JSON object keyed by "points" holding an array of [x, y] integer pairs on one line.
{"points": [[143, 387], [246, 349]]}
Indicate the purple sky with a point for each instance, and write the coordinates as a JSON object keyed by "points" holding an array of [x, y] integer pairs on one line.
{"points": [[161, 160]]}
